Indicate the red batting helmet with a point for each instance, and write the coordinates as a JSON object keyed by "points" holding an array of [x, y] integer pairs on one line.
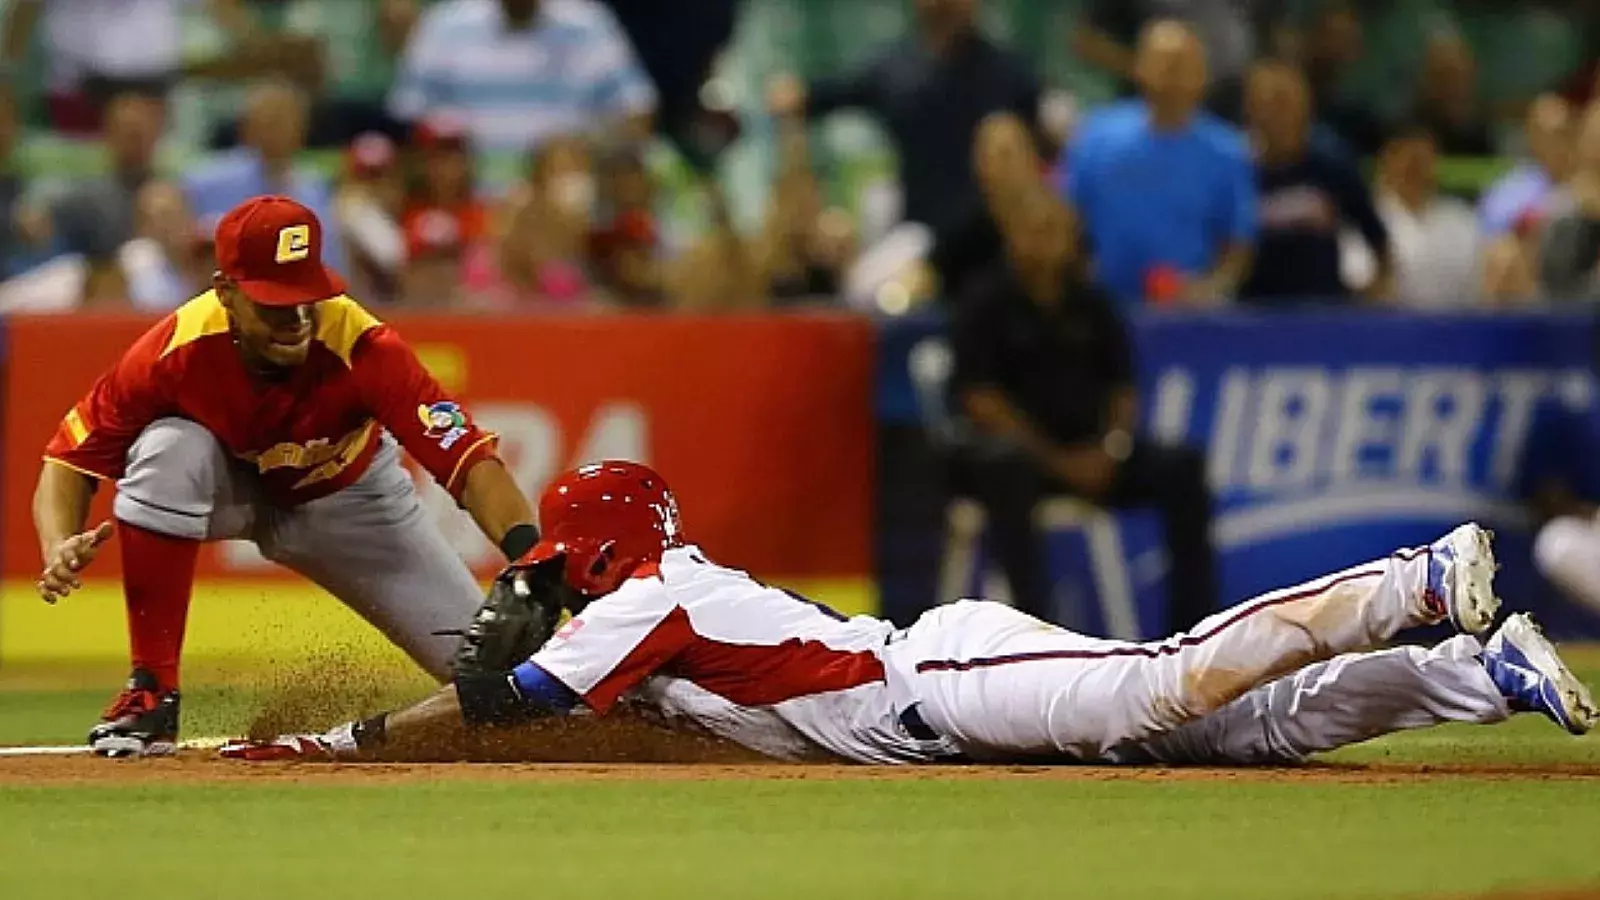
{"points": [[607, 520]]}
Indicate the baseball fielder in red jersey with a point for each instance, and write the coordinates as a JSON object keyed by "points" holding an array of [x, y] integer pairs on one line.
{"points": [[268, 409], [659, 625]]}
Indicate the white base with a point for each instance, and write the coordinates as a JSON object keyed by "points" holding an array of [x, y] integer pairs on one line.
{"points": [[210, 743]]}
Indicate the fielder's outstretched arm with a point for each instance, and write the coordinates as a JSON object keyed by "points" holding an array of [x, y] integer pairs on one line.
{"points": [[499, 507]]}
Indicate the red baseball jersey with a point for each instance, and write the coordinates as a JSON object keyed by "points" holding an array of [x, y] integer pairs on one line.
{"points": [[308, 435]]}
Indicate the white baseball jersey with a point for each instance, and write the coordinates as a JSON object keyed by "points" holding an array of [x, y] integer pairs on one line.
{"points": [[754, 664], [788, 677]]}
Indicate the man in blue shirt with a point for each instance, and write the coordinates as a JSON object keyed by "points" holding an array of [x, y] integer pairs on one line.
{"points": [[273, 132], [1166, 192]]}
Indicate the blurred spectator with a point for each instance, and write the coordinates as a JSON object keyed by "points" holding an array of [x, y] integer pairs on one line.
{"points": [[929, 93], [1560, 485], [1044, 370], [1511, 266], [26, 232], [97, 49], [1334, 42], [1569, 257], [97, 216], [169, 261], [1526, 189], [361, 45], [625, 250], [1433, 238], [1008, 167], [1447, 98], [1232, 32], [805, 247], [342, 54], [719, 274], [1166, 191], [1309, 193], [274, 131], [367, 210], [1582, 86], [444, 222], [544, 257], [55, 285], [520, 72], [678, 49]]}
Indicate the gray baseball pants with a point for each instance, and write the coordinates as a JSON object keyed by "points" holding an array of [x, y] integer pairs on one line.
{"points": [[370, 544]]}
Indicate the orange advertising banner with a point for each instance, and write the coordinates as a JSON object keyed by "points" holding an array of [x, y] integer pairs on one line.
{"points": [[763, 424]]}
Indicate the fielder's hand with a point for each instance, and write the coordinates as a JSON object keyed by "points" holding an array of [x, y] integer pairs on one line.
{"points": [[519, 615], [69, 557]]}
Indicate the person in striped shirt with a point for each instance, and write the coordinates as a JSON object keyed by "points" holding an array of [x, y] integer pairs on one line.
{"points": [[519, 72]]}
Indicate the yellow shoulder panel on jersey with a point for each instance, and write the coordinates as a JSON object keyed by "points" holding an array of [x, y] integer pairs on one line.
{"points": [[75, 426], [340, 323], [198, 318]]}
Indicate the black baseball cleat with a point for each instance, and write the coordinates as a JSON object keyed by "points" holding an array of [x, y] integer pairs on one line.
{"points": [[142, 721]]}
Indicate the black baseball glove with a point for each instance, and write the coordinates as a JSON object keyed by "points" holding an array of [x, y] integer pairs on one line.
{"points": [[516, 618]]}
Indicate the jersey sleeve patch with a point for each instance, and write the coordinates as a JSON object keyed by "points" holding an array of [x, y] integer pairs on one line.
{"points": [[435, 429]]}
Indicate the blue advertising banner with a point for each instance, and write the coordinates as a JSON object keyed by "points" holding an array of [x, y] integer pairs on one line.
{"points": [[1335, 437]]}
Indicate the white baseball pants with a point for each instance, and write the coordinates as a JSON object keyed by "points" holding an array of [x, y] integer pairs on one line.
{"points": [[1272, 679]]}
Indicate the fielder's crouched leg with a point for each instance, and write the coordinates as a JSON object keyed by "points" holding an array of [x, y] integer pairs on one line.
{"points": [[179, 488]]}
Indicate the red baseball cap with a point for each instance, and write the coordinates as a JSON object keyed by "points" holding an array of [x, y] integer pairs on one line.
{"points": [[441, 131], [371, 153], [272, 248]]}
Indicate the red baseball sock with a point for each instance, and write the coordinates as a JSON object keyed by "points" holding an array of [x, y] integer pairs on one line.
{"points": [[157, 582]]}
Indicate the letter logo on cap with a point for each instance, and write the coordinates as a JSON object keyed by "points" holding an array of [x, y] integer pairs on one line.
{"points": [[294, 243]]}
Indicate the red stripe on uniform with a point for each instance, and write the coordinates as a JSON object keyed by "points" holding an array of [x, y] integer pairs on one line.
{"points": [[664, 642], [764, 674], [1152, 652], [746, 674]]}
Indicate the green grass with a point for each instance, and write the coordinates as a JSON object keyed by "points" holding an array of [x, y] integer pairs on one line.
{"points": [[1010, 837], [802, 839]]}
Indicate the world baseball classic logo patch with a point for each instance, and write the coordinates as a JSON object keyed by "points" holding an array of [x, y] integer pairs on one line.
{"points": [[444, 422]]}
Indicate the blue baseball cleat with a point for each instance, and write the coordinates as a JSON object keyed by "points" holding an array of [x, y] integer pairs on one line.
{"points": [[1523, 664], [1461, 571]]}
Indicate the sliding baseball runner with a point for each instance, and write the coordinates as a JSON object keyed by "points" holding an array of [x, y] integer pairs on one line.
{"points": [[1277, 678]]}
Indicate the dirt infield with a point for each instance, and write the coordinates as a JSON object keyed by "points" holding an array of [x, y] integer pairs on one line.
{"points": [[194, 767], [633, 747]]}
